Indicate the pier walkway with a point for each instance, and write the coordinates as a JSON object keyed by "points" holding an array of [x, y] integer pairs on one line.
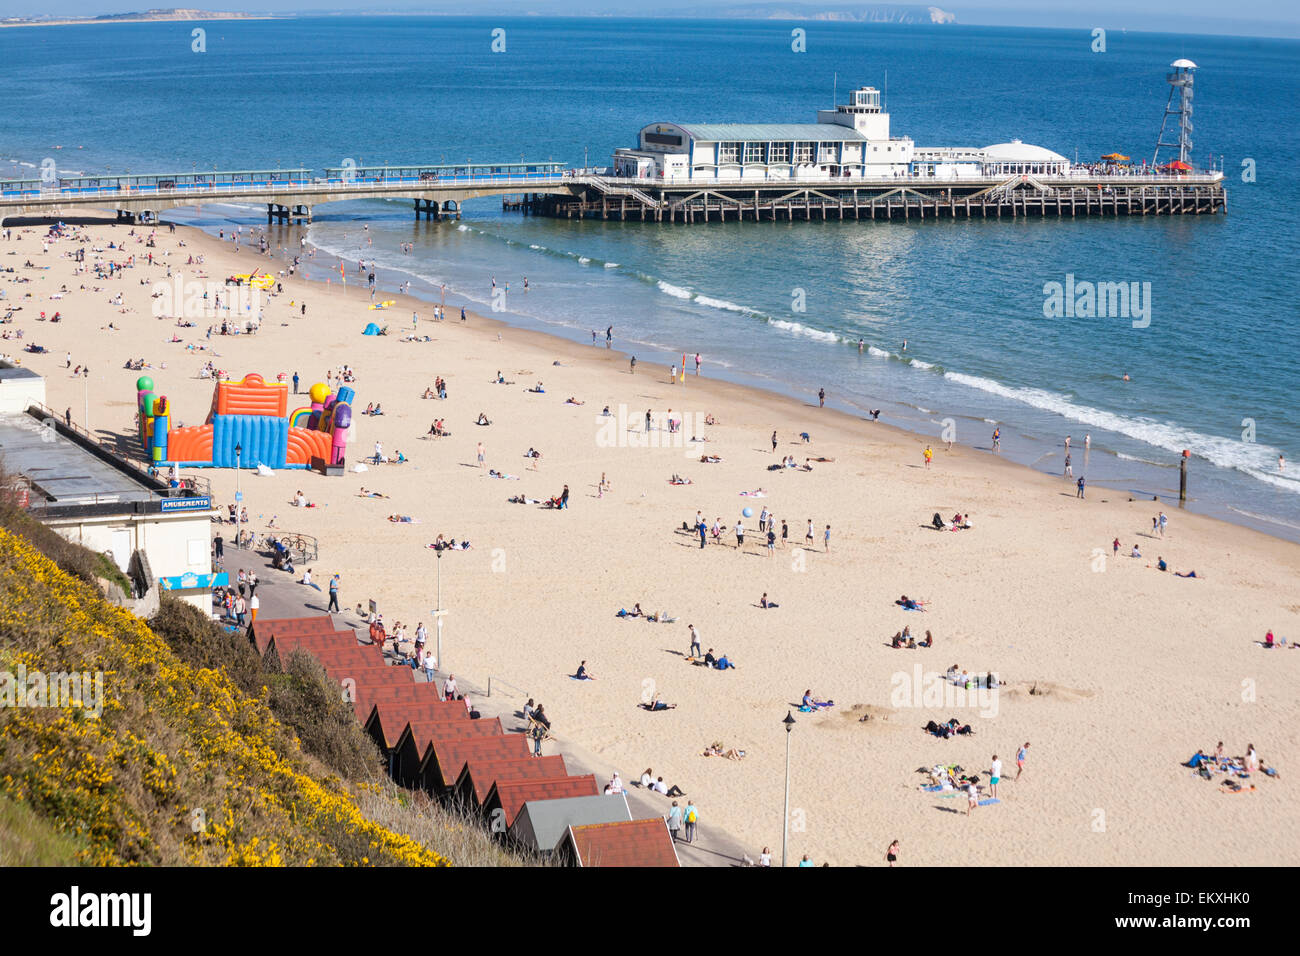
{"points": [[551, 189]]}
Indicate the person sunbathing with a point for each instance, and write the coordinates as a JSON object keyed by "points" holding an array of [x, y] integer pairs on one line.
{"points": [[765, 604], [657, 704], [573, 401], [710, 459], [370, 494], [493, 473], [907, 604], [1189, 574], [710, 420], [716, 749], [428, 393], [806, 460], [482, 420], [402, 519], [538, 390], [679, 480]]}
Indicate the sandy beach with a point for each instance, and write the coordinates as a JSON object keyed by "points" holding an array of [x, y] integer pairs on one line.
{"points": [[1114, 672]]}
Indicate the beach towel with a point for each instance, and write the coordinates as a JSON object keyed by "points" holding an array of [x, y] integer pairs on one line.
{"points": [[989, 801]]}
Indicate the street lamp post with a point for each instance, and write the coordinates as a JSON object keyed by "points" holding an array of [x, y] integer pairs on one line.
{"points": [[785, 818], [239, 453], [438, 613]]}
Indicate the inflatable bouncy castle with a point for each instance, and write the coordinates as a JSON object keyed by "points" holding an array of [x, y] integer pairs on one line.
{"points": [[253, 414]]}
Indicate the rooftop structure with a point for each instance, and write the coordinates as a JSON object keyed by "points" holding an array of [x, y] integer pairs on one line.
{"points": [[157, 535]]}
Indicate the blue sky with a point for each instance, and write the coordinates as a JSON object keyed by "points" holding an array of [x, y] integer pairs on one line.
{"points": [[1246, 17]]}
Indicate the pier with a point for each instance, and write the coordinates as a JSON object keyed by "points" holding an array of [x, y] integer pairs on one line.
{"points": [[290, 195], [912, 198], [549, 189]]}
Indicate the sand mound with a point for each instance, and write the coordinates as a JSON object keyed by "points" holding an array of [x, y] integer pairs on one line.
{"points": [[1041, 688]]}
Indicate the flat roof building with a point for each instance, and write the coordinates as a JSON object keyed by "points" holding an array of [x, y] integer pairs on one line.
{"points": [[157, 535], [850, 141]]}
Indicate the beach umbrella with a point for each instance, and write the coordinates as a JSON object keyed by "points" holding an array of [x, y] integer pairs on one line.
{"points": [[1177, 164]]}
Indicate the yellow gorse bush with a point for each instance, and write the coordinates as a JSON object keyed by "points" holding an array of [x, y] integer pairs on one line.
{"points": [[181, 767]]}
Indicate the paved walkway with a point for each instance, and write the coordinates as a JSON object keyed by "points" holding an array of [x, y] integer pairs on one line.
{"points": [[280, 596]]}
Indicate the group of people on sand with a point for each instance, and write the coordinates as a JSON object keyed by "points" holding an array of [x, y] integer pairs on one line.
{"points": [[959, 522], [1160, 565], [904, 638], [654, 617], [1235, 767], [961, 678]]}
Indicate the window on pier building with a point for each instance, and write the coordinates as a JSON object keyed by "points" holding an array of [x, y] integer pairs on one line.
{"points": [[753, 152], [803, 152], [779, 153], [729, 152]]}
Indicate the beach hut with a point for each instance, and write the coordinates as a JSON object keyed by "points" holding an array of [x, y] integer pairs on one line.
{"points": [[507, 797], [476, 780], [629, 843], [542, 823]]}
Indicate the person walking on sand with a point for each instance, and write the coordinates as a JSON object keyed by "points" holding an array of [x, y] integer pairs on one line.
{"points": [[821, 398], [632, 363], [972, 798], [929, 456], [774, 443], [695, 641], [1069, 468], [1164, 520], [808, 535], [334, 596], [1021, 756], [481, 454], [740, 534], [697, 363], [675, 821], [1079, 486], [995, 776], [826, 537], [891, 853]]}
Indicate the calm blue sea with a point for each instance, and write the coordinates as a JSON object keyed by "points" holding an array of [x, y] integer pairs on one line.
{"points": [[1219, 356]]}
